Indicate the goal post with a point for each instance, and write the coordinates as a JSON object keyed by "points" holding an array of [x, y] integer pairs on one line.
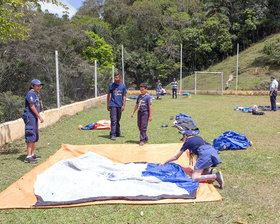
{"points": [[195, 79]]}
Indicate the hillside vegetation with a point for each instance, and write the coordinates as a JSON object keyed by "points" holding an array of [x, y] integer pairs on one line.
{"points": [[256, 64]]}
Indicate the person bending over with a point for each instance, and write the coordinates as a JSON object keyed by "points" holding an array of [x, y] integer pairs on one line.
{"points": [[207, 157]]}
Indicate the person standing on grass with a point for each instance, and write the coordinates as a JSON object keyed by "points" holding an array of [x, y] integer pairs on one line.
{"points": [[207, 157], [158, 89], [116, 98], [30, 116], [144, 106], [273, 92], [174, 88]]}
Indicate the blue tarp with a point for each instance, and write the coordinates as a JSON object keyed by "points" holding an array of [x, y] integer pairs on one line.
{"points": [[171, 172], [231, 140]]}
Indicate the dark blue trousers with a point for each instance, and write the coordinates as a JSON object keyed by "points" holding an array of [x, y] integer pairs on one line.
{"points": [[115, 116], [174, 93], [142, 120], [273, 101]]}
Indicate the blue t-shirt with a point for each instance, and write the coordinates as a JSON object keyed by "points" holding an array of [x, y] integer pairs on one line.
{"points": [[117, 92], [31, 97], [174, 85], [193, 143], [158, 85], [144, 102]]}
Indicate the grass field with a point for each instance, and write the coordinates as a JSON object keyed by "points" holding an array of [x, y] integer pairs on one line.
{"points": [[251, 193]]}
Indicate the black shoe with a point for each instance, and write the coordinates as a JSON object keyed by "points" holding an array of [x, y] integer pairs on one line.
{"points": [[113, 138], [120, 136]]}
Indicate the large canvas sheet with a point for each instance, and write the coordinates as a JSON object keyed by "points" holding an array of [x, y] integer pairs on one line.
{"points": [[21, 193]]}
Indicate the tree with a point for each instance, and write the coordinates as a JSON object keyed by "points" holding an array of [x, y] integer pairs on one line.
{"points": [[12, 13]]}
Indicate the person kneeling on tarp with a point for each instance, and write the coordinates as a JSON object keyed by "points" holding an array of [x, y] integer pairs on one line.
{"points": [[207, 157]]}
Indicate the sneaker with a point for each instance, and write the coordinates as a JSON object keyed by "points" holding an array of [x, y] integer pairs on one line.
{"points": [[36, 156], [113, 138], [219, 179], [212, 171], [30, 160], [141, 143], [121, 136]]}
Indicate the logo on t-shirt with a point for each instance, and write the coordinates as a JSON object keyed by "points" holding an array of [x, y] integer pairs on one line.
{"points": [[31, 98]]}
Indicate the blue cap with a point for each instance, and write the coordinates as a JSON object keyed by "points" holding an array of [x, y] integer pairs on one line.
{"points": [[36, 82], [272, 77]]}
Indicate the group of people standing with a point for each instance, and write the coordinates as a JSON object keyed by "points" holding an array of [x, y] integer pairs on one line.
{"points": [[116, 98]]}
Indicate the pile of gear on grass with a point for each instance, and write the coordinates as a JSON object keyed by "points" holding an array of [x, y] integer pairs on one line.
{"points": [[229, 140], [254, 109]]}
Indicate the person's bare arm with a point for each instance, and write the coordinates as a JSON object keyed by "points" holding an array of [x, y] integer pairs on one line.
{"points": [[150, 112], [33, 108], [135, 108], [177, 156], [124, 101], [108, 101]]}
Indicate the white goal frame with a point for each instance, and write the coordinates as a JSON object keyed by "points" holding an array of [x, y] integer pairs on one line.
{"points": [[222, 77]]}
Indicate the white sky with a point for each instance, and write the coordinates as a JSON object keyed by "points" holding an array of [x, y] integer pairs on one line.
{"points": [[73, 6]]}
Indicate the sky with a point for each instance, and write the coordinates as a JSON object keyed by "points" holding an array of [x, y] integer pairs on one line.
{"points": [[73, 6]]}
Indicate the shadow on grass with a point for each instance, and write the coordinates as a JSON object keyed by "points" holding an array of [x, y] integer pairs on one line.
{"points": [[21, 158], [104, 136], [132, 141]]}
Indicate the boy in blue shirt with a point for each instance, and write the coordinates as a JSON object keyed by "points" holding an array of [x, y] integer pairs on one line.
{"points": [[207, 157], [30, 116], [144, 106], [174, 88], [116, 97]]}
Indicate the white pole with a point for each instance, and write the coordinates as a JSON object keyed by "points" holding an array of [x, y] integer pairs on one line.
{"points": [[181, 65], [113, 73], [222, 79], [237, 66], [95, 78], [57, 80], [122, 65], [195, 83]]}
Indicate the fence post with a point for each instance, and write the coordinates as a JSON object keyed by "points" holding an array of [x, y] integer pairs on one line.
{"points": [[57, 80], [95, 78], [123, 66]]}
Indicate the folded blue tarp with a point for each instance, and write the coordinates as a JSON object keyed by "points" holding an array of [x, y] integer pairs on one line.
{"points": [[231, 140]]}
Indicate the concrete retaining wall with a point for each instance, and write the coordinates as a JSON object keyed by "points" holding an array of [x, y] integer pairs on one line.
{"points": [[13, 130]]}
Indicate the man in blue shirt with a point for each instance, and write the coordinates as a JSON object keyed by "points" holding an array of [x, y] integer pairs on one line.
{"points": [[174, 88], [116, 98], [273, 92]]}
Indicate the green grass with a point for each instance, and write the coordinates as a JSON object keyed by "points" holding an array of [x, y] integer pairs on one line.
{"points": [[251, 193], [254, 74]]}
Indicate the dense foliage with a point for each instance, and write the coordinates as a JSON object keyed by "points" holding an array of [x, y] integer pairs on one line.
{"points": [[150, 31]]}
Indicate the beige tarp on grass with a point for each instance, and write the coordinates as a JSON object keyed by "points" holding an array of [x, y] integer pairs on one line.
{"points": [[21, 195]]}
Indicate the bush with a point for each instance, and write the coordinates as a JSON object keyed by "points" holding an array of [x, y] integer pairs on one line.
{"points": [[11, 106]]}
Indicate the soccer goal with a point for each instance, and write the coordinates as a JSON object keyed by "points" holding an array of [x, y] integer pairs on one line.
{"points": [[214, 80]]}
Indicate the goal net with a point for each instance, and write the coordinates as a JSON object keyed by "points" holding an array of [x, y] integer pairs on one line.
{"points": [[210, 81]]}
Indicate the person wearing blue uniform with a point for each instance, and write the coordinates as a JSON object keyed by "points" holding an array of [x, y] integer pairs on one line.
{"points": [[158, 89], [116, 98], [207, 157], [144, 106], [273, 92], [174, 88], [30, 116]]}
